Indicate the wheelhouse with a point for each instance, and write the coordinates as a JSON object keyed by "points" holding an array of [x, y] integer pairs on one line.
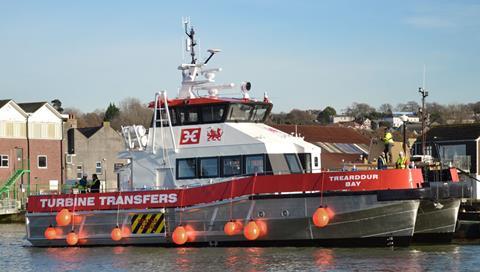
{"points": [[209, 111]]}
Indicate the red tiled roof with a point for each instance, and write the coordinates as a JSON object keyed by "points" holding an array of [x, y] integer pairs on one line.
{"points": [[326, 134]]}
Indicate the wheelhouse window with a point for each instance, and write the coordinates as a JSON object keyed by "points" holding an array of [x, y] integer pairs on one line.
{"points": [[248, 112], [231, 166], [3, 161], [293, 163], [213, 113], [188, 115], [254, 164], [259, 113], [240, 112], [162, 117], [208, 167], [186, 168], [42, 161]]}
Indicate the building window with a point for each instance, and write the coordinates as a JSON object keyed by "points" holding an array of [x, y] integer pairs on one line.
{"points": [[254, 164], [3, 161], [315, 161], [428, 150], [68, 158], [98, 167], [42, 161], [186, 168], [208, 167], [79, 171], [448, 153]]}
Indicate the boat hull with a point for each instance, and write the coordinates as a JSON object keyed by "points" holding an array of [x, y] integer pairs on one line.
{"points": [[436, 221], [360, 220]]}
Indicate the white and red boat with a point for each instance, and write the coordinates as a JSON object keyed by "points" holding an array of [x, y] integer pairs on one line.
{"points": [[211, 172]]}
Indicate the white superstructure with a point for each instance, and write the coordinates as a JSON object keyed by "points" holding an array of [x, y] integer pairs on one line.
{"points": [[199, 139]]}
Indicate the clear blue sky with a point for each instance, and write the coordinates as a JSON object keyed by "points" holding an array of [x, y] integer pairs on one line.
{"points": [[306, 54]]}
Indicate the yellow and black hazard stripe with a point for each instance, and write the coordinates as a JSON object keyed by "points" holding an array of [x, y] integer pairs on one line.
{"points": [[146, 223]]}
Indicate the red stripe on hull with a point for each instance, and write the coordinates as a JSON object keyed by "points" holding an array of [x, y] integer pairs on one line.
{"points": [[327, 181]]}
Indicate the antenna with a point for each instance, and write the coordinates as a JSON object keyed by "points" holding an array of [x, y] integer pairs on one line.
{"points": [[424, 69], [190, 42]]}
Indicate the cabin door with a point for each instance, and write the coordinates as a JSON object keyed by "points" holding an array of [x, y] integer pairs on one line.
{"points": [[164, 178]]}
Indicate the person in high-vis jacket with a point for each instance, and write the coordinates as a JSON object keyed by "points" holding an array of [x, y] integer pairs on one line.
{"points": [[401, 162], [388, 141], [95, 187]]}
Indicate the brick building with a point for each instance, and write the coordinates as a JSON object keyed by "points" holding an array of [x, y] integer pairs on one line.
{"points": [[31, 137]]}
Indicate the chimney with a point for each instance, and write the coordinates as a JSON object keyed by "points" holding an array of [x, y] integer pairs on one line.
{"points": [[71, 121]]}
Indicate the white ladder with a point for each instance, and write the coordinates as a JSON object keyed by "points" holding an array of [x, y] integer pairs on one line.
{"points": [[164, 117]]}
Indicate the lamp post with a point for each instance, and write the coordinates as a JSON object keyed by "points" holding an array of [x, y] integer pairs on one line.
{"points": [[404, 119]]}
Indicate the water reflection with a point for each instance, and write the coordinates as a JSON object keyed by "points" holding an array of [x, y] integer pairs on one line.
{"points": [[232, 257], [323, 258], [183, 259], [66, 258]]}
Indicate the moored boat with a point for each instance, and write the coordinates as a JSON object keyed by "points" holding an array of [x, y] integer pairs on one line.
{"points": [[211, 172]]}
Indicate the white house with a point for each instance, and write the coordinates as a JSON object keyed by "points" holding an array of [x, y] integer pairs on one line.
{"points": [[396, 118]]}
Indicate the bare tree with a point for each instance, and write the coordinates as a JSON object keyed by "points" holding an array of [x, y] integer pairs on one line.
{"points": [[359, 110], [300, 117], [458, 114], [132, 112], [410, 106], [91, 119], [386, 109]]}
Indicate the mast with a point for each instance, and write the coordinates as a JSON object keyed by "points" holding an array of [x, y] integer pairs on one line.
{"points": [[424, 94], [191, 84], [191, 43]]}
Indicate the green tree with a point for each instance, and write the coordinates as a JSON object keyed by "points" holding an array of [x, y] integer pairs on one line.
{"points": [[111, 112], [57, 104], [325, 115]]}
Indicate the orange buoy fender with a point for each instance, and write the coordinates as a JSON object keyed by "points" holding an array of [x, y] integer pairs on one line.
{"points": [[230, 228], [179, 235], [251, 231], [72, 238], [50, 233], [63, 218], [320, 217], [116, 234], [126, 232], [330, 212]]}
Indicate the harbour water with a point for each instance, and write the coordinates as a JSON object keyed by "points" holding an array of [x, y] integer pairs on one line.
{"points": [[17, 255]]}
